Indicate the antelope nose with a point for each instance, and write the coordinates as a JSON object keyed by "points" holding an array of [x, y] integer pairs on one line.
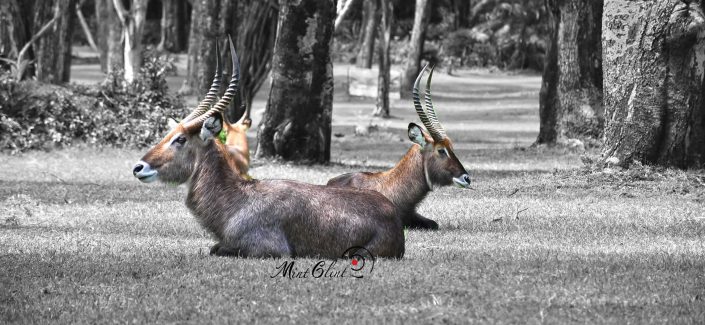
{"points": [[144, 172], [138, 168], [466, 178]]}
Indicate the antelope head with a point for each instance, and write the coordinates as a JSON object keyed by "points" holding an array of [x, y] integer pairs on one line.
{"points": [[440, 164], [173, 159]]}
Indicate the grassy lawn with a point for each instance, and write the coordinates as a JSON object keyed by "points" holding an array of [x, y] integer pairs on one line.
{"points": [[538, 238]]}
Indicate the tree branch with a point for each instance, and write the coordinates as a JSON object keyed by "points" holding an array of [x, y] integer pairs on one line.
{"points": [[343, 10], [84, 26], [121, 12], [40, 33]]}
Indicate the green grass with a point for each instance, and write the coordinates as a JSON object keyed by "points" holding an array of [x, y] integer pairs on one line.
{"points": [[538, 238]]}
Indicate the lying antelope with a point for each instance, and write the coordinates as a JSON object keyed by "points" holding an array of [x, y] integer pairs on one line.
{"points": [[266, 218], [430, 161]]}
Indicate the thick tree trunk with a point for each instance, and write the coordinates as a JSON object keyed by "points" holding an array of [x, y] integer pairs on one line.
{"points": [[297, 121], [205, 29], [365, 54], [383, 80], [412, 64], [53, 51], [570, 102], [174, 30], [653, 62]]}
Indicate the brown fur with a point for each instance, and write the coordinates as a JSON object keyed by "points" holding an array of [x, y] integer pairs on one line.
{"points": [[236, 142], [405, 184], [262, 218]]}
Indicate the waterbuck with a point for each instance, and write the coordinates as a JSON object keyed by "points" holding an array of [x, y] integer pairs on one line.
{"points": [[430, 161], [266, 218]]}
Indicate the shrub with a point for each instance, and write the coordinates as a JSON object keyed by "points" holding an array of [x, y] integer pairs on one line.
{"points": [[41, 116]]}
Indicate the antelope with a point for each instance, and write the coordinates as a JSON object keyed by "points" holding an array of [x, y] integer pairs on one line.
{"points": [[266, 218], [430, 161]]}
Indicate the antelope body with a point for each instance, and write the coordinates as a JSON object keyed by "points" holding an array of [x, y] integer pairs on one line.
{"points": [[430, 161], [266, 218]]}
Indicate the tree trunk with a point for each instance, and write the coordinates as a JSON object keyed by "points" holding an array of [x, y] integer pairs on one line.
{"points": [[53, 50], [13, 29], [115, 50], [653, 54], [102, 16], [253, 24], [413, 61], [205, 29], [365, 54], [132, 31], [570, 102], [297, 121], [462, 13], [174, 30], [383, 80]]}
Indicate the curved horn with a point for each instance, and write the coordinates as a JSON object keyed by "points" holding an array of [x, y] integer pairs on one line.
{"points": [[417, 101], [420, 110], [212, 94], [431, 112], [224, 101]]}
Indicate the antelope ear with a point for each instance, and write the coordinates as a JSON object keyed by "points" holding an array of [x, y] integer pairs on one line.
{"points": [[211, 127], [416, 134], [171, 123]]}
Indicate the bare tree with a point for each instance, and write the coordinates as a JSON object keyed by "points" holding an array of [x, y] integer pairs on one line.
{"points": [[132, 22], [371, 16], [297, 120], [252, 25], [52, 51], [84, 26], [206, 27], [13, 29], [384, 80], [571, 92], [654, 103], [255, 32], [412, 64], [174, 26]]}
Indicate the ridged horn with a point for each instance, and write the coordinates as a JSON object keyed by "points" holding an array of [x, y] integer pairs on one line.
{"points": [[420, 111], [417, 100], [230, 93], [431, 111], [212, 94]]}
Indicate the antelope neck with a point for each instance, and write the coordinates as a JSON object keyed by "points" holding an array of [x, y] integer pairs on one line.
{"points": [[408, 171], [211, 176]]}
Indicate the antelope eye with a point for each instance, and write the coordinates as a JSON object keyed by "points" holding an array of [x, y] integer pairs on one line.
{"points": [[180, 140], [443, 152]]}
